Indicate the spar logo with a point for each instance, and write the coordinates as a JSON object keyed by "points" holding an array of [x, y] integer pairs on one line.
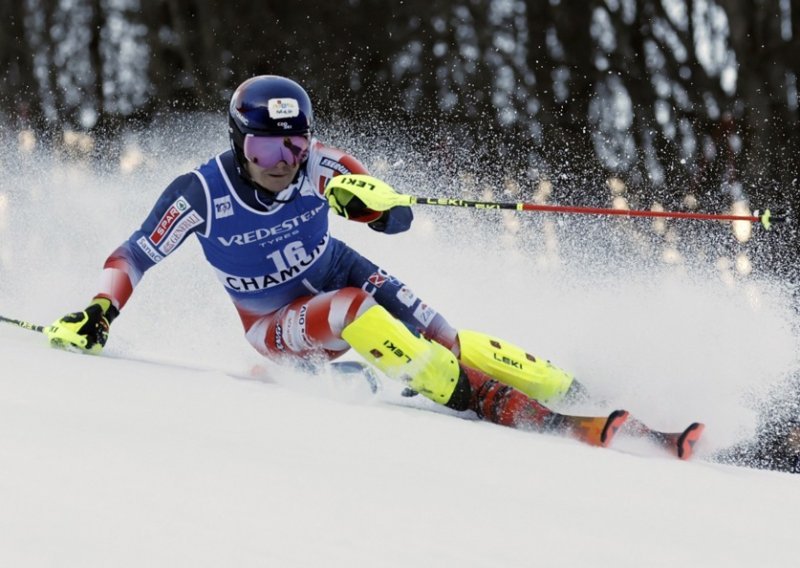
{"points": [[168, 219], [180, 231]]}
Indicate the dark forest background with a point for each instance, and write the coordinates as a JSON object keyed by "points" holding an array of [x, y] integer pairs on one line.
{"points": [[691, 104]]}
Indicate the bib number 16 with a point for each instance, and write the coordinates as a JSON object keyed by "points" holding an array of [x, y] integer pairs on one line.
{"points": [[292, 254]]}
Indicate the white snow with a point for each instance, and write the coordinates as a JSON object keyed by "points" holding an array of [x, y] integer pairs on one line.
{"points": [[183, 448], [109, 462]]}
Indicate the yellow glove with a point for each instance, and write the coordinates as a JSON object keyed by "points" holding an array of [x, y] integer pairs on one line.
{"points": [[355, 196], [86, 330]]}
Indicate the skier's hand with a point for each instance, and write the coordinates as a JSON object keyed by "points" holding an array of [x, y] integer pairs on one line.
{"points": [[86, 330], [362, 197]]}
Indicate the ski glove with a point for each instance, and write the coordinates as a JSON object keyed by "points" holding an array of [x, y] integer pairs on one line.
{"points": [[395, 220], [86, 330], [369, 200]]}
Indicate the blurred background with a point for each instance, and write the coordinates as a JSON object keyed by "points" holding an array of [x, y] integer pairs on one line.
{"points": [[685, 105], [676, 104]]}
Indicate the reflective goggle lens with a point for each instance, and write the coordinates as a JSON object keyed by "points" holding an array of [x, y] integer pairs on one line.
{"points": [[267, 151]]}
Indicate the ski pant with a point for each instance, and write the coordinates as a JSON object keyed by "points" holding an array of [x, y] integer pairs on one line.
{"points": [[311, 325]]}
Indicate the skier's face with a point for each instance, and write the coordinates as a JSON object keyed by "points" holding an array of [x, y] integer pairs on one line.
{"points": [[274, 179]]}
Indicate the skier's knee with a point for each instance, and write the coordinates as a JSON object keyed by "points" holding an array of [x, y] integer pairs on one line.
{"points": [[346, 305], [426, 367], [310, 325]]}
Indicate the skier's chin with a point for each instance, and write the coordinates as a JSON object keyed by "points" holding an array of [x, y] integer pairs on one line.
{"points": [[274, 179], [274, 184]]}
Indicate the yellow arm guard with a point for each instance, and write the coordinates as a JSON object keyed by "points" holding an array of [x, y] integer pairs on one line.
{"points": [[350, 194]]}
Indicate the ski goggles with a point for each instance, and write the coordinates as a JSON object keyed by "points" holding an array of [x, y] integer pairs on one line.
{"points": [[268, 151]]}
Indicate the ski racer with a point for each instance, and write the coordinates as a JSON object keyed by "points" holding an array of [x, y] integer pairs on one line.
{"points": [[260, 213]]}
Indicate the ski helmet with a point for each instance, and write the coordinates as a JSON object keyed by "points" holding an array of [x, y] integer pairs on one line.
{"points": [[267, 105]]}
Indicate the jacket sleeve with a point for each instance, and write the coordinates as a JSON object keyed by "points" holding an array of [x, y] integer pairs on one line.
{"points": [[180, 211]]}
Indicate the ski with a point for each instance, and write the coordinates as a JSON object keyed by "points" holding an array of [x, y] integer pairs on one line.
{"points": [[680, 444], [593, 430], [356, 370]]}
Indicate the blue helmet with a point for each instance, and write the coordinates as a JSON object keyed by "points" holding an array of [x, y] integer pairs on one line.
{"points": [[267, 105]]}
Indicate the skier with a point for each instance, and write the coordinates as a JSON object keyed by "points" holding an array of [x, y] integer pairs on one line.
{"points": [[260, 211]]}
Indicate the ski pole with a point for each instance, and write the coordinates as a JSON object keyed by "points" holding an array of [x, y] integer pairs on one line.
{"points": [[43, 329], [24, 324], [378, 195], [766, 218]]}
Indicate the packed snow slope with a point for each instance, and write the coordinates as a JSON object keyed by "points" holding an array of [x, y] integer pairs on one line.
{"points": [[180, 446]]}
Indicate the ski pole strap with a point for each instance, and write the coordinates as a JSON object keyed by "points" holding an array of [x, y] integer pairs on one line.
{"points": [[766, 219]]}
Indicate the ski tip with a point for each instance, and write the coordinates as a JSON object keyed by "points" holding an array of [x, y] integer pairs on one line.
{"points": [[687, 440], [615, 420]]}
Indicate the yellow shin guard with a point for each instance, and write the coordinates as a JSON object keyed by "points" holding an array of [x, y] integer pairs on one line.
{"points": [[509, 364], [427, 367]]}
